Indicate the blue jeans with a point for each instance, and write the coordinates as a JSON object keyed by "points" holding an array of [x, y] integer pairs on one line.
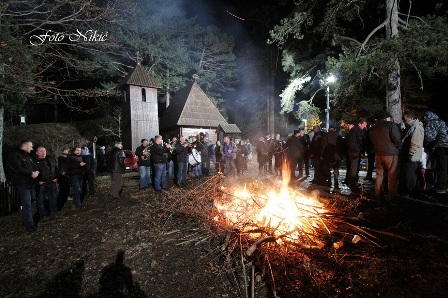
{"points": [[50, 190], [145, 176], [76, 182], [197, 171], [182, 168], [160, 176], [26, 195], [171, 169]]}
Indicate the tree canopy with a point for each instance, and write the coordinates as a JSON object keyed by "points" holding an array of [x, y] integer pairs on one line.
{"points": [[354, 40]]}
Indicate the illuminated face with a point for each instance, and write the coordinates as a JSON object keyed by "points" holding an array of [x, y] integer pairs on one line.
{"points": [[77, 151], [159, 141], [407, 119], [41, 152], [182, 139], [362, 125], [145, 143], [27, 147]]}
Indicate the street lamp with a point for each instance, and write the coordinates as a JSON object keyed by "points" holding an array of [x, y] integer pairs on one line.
{"points": [[330, 79]]}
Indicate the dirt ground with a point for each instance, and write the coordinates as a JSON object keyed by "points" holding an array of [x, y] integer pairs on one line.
{"points": [[135, 247]]}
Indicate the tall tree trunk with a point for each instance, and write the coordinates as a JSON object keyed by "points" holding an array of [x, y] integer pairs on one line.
{"points": [[393, 88], [2, 170]]}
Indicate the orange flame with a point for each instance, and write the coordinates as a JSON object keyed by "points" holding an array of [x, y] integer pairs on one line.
{"points": [[283, 214]]}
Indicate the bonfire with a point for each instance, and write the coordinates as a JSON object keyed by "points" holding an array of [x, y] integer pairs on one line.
{"points": [[284, 216]]}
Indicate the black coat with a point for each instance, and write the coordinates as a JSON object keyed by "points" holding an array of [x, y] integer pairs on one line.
{"points": [[295, 147], [115, 161], [47, 168], [21, 167], [332, 146], [354, 140], [73, 165], [158, 153], [181, 152]]}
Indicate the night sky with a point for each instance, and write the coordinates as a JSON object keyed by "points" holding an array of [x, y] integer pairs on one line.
{"points": [[249, 22]]}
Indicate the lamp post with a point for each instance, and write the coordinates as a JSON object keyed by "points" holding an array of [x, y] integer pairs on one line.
{"points": [[331, 79]]}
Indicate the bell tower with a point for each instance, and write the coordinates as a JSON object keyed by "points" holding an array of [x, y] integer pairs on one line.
{"points": [[139, 107]]}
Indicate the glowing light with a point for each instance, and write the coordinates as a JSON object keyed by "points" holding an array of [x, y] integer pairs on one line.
{"points": [[286, 214]]}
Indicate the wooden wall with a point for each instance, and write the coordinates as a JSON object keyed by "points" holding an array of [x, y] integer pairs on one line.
{"points": [[140, 118], [194, 131]]}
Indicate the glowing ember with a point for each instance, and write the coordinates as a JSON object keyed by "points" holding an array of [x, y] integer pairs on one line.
{"points": [[286, 215]]}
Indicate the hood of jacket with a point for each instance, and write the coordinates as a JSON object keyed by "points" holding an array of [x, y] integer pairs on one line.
{"points": [[86, 151], [429, 116]]}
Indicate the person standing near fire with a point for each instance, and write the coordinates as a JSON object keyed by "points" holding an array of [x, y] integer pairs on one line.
{"points": [[279, 145], [295, 151], [386, 140], [332, 152], [229, 154], [354, 148], [411, 153]]}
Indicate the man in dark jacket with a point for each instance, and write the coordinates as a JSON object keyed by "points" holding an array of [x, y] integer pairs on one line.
{"points": [[436, 140], [182, 161], [46, 183], [262, 156], [314, 148], [142, 153], [88, 182], [295, 149], [354, 147], [205, 158], [116, 168], [332, 151], [159, 160], [75, 172], [386, 140], [23, 171], [64, 185]]}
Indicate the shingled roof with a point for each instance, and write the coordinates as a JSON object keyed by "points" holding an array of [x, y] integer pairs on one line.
{"points": [[139, 77], [229, 128], [190, 106]]}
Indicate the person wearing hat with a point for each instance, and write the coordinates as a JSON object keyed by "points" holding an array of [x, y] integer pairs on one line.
{"points": [[354, 146], [386, 139]]}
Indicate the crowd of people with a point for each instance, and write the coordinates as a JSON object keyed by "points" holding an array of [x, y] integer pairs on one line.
{"points": [[52, 181], [409, 157], [40, 176], [174, 160]]}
